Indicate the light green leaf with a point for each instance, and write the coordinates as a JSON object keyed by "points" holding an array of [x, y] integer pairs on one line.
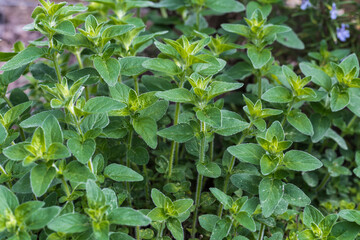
{"points": [[258, 58], [211, 116], [179, 133], [180, 95], [8, 200], [122, 173], [41, 177], [146, 127], [24, 57], [210, 169], [270, 194], [83, 151], [102, 105], [222, 198], [247, 221], [277, 95], [248, 152], [128, 217], [162, 65], [301, 122], [295, 196], [175, 227], [339, 99], [301, 161], [66, 28], [70, 223], [108, 69]]}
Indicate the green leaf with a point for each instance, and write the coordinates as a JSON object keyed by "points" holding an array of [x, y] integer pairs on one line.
{"points": [[268, 164], [301, 122], [210, 169], [23, 211], [121, 173], [345, 230], [312, 215], [247, 221], [120, 236], [327, 223], [301, 161], [349, 63], [3, 133], [14, 113], [41, 177], [24, 57], [158, 214], [317, 75], [179, 133], [252, 6], [290, 40], [52, 131], [162, 65], [158, 198], [350, 215], [40, 218], [182, 205], [221, 229], [248, 152], [230, 125], [247, 182], [132, 66], [66, 28], [270, 194], [102, 105], [101, 229], [277, 95], [175, 227], [128, 217], [57, 151], [239, 29], [180, 95], [146, 127], [115, 31], [321, 125], [70, 223], [95, 197], [8, 200], [295, 196], [77, 172], [156, 111], [211, 116], [138, 155], [208, 221], [16, 152], [222, 198], [37, 120], [217, 88], [225, 6], [339, 99], [108, 69], [83, 151], [258, 58]]}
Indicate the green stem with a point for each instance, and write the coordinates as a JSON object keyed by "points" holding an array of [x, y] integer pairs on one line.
{"points": [[137, 231], [146, 177], [128, 164], [199, 178], [258, 79], [231, 167], [136, 85], [163, 12], [81, 66], [66, 187], [323, 182], [57, 67], [173, 144], [262, 232], [161, 230], [198, 20]]}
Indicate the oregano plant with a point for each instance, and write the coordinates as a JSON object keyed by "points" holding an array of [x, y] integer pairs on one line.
{"points": [[188, 119]]}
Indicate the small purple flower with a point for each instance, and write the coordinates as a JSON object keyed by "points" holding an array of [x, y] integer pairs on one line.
{"points": [[305, 4], [333, 12], [342, 33]]}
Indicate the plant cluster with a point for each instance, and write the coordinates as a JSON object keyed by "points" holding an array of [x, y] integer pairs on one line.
{"points": [[181, 120]]}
